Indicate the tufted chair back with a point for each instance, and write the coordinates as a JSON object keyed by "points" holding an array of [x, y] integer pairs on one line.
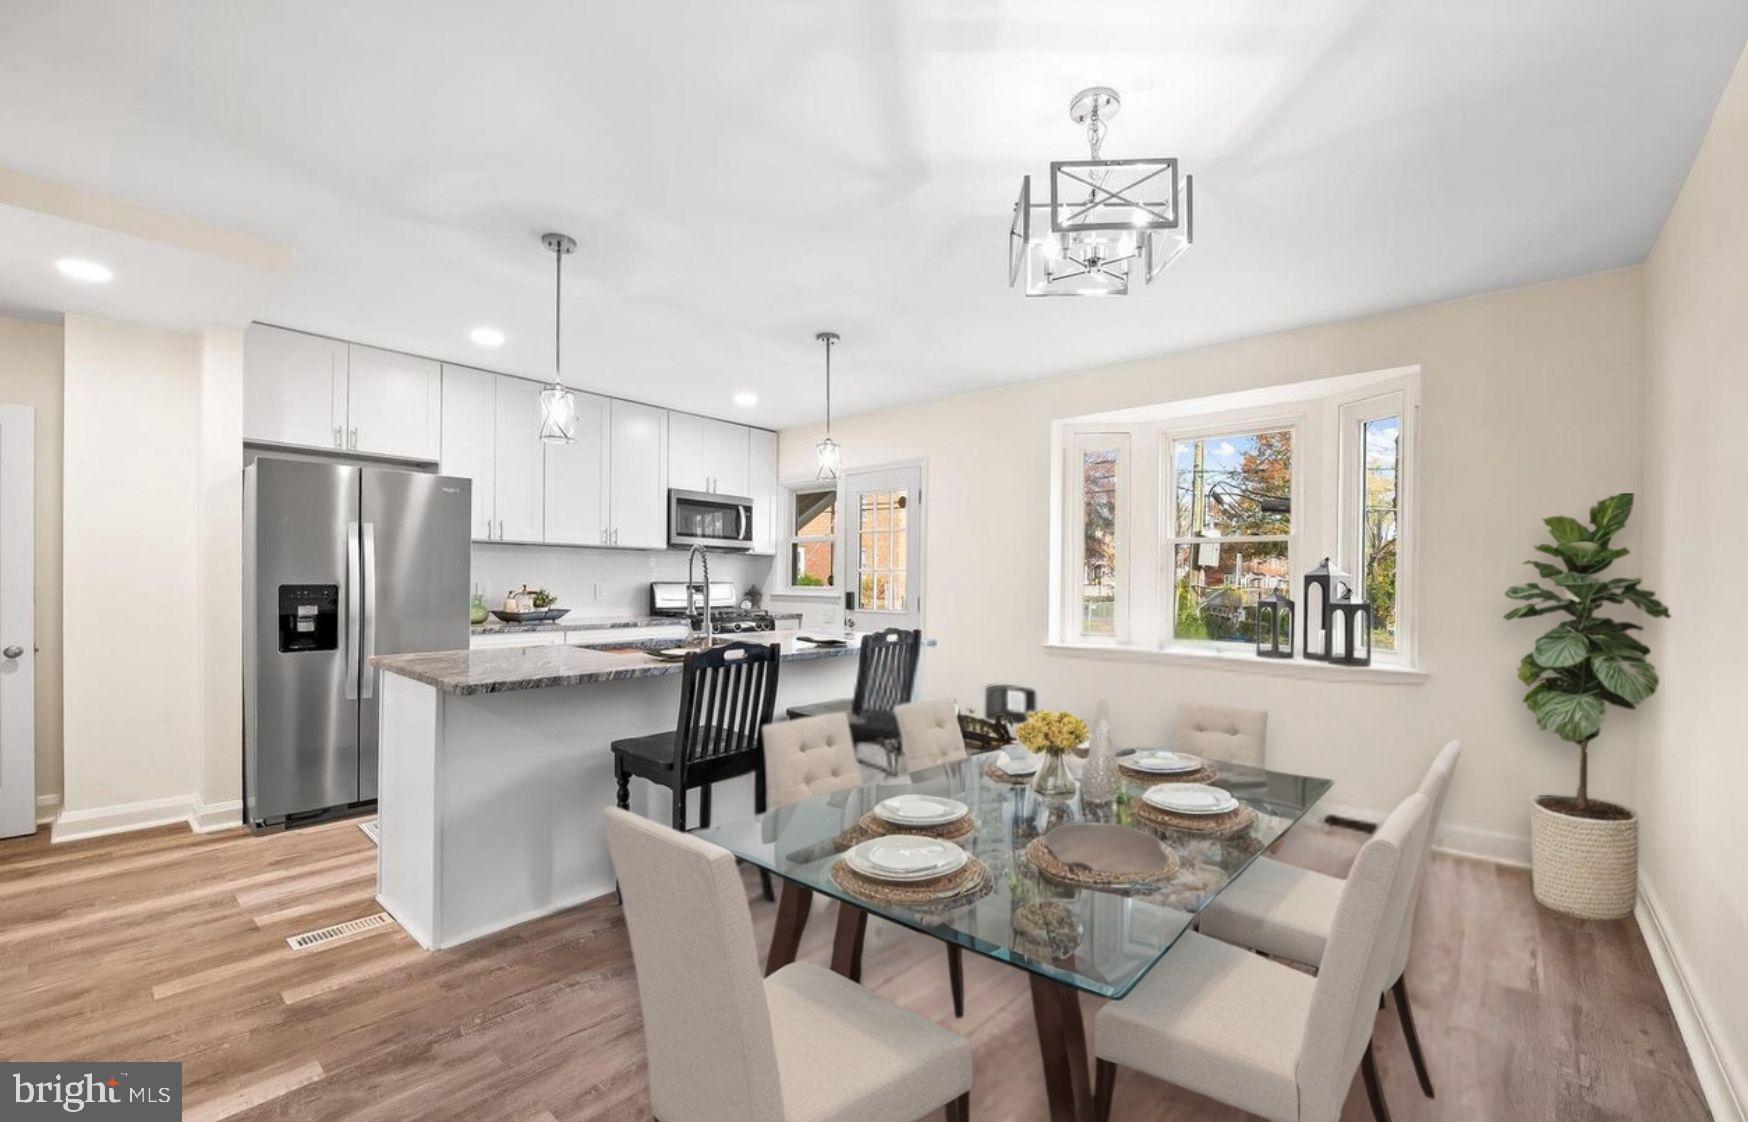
{"points": [[928, 733], [1223, 732], [807, 757]]}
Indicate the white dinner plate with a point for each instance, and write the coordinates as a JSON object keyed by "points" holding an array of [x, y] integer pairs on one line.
{"points": [[1160, 762], [1190, 798], [1018, 765], [920, 810], [907, 857]]}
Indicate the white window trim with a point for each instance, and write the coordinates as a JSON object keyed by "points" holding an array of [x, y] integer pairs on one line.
{"points": [[790, 538], [1245, 423], [1400, 402], [1081, 441]]}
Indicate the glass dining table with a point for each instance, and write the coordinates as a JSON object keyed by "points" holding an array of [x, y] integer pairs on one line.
{"points": [[1068, 939]]}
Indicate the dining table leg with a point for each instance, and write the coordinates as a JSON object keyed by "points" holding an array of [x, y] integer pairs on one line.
{"points": [[1062, 1044], [792, 910], [847, 943]]}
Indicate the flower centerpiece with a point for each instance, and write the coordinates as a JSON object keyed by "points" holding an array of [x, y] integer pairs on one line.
{"points": [[1052, 735]]}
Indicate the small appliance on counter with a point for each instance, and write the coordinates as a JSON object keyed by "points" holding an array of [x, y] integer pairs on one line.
{"points": [[679, 599]]}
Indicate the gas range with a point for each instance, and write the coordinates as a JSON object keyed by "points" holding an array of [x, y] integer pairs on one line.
{"points": [[734, 620], [676, 598]]}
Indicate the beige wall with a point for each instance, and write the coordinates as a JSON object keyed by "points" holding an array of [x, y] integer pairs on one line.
{"points": [[30, 374], [131, 563], [1530, 408], [220, 781], [1693, 767]]}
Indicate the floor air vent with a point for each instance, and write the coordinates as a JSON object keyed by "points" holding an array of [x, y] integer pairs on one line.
{"points": [[339, 931], [369, 827]]}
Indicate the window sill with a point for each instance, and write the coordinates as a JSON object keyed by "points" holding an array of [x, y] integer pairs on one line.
{"points": [[1246, 662], [804, 594]]}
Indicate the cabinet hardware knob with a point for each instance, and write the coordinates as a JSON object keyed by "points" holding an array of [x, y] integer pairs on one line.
{"points": [[13, 652]]}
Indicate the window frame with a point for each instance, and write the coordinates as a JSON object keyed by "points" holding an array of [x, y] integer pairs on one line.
{"points": [[791, 539], [1352, 416], [1081, 441], [1225, 426]]}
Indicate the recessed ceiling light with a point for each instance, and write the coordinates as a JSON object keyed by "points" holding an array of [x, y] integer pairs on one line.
{"points": [[746, 399], [88, 271], [487, 336]]}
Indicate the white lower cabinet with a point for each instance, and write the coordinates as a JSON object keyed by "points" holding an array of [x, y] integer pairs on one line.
{"points": [[637, 485]]}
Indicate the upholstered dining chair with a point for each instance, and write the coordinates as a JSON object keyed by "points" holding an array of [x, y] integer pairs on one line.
{"points": [[1261, 1035], [1222, 732], [929, 734], [802, 1044], [1286, 911]]}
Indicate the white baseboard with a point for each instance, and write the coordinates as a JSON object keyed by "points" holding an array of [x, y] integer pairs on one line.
{"points": [[97, 822], [1464, 841], [47, 806], [1724, 1093]]}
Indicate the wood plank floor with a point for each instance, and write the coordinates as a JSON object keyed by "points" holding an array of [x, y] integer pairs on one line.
{"points": [[163, 945]]}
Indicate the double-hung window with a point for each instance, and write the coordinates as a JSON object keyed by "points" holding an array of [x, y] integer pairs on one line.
{"points": [[812, 538], [1098, 487], [1229, 537], [1374, 484]]}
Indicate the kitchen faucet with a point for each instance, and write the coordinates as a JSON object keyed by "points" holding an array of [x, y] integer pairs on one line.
{"points": [[698, 551]]}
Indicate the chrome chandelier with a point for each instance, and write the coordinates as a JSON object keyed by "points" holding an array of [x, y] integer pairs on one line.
{"points": [[1109, 219], [830, 453], [558, 405]]}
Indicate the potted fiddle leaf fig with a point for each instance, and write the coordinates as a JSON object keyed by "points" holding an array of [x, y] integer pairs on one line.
{"points": [[1584, 853]]}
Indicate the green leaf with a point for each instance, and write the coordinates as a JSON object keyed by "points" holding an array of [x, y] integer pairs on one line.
{"points": [[1548, 572], [1533, 592], [1605, 639], [1610, 516], [1528, 671], [1625, 674], [1566, 529], [1646, 602], [1526, 611], [1563, 646], [1587, 557], [1570, 716]]}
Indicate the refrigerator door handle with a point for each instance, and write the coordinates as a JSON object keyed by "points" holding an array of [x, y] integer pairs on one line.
{"points": [[369, 644], [354, 610]]}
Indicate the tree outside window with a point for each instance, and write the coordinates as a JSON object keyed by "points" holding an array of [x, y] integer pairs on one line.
{"points": [[1231, 531]]}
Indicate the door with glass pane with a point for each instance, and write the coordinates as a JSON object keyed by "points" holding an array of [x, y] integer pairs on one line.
{"points": [[883, 532]]}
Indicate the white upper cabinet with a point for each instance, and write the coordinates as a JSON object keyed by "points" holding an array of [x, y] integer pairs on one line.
{"points": [[762, 486], [576, 479], [394, 404], [706, 455], [470, 440], [637, 503], [294, 388], [520, 469]]}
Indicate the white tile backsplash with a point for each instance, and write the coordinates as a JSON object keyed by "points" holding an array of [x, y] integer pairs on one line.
{"points": [[600, 583]]}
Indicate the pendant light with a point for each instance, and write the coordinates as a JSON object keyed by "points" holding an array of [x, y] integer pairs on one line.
{"points": [[558, 405], [829, 451]]}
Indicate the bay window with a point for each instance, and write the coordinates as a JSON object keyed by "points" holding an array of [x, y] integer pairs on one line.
{"points": [[1231, 519], [1098, 488]]}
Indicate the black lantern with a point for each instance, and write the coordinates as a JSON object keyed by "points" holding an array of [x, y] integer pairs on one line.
{"points": [[1323, 586], [1350, 627], [1274, 627]]}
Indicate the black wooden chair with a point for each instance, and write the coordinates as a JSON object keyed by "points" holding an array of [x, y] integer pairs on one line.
{"points": [[727, 695], [885, 679]]}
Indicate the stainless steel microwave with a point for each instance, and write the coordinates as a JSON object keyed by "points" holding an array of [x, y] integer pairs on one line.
{"points": [[708, 519]]}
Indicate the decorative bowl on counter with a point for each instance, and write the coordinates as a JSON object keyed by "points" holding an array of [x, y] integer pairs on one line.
{"points": [[537, 615]]}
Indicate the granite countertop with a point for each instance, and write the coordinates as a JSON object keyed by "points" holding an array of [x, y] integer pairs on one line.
{"points": [[499, 627], [505, 669]]}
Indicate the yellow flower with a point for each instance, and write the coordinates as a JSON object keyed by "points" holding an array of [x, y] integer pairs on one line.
{"points": [[1051, 732]]}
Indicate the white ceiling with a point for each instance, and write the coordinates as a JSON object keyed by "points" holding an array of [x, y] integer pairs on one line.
{"points": [[743, 174]]}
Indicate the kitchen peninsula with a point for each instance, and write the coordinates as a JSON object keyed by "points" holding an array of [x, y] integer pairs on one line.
{"points": [[495, 768]]}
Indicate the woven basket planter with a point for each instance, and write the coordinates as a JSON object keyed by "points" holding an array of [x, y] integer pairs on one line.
{"points": [[1585, 867]]}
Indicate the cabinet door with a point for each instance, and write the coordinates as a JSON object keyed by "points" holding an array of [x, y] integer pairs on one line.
{"points": [[688, 452], [394, 404], [294, 388], [637, 505], [518, 483], [576, 479], [762, 486], [470, 440], [728, 458]]}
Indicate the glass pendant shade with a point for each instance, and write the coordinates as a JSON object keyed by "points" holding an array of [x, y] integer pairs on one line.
{"points": [[558, 414], [830, 456]]}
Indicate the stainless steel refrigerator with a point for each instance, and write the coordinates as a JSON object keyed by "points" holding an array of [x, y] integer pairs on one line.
{"points": [[340, 563]]}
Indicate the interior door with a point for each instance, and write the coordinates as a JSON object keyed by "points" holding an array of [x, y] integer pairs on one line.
{"points": [[576, 479], [637, 507], [17, 620], [883, 548]]}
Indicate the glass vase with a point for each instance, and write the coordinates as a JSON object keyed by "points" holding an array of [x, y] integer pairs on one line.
{"points": [[1098, 776], [1053, 780]]}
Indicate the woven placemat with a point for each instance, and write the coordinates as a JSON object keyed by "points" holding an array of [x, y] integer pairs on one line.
{"points": [[1228, 825], [1203, 774], [871, 826], [1047, 863], [992, 771], [963, 886]]}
